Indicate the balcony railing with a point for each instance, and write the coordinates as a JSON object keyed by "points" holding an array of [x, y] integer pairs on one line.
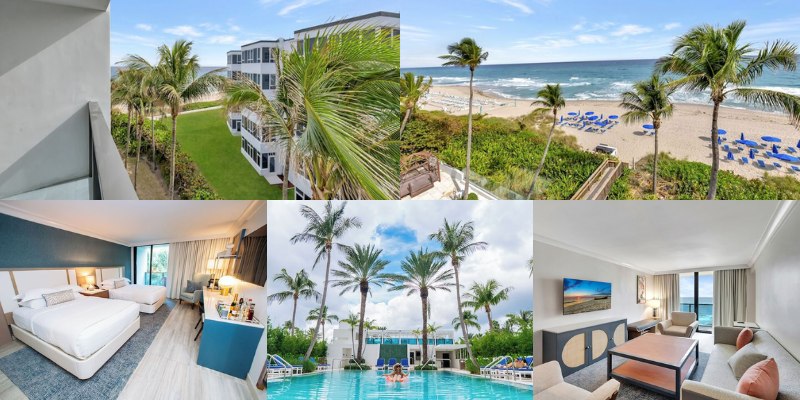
{"points": [[704, 314], [110, 180]]}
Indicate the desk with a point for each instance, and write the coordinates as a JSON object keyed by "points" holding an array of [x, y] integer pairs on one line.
{"points": [[226, 346]]}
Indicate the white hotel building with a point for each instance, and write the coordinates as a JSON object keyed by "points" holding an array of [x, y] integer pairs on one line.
{"points": [[256, 61], [398, 344]]}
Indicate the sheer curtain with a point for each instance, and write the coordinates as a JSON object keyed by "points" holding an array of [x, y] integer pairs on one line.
{"points": [[666, 290], [189, 258], [730, 296]]}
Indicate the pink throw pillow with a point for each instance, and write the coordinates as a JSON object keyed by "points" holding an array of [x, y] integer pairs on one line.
{"points": [[760, 380], [745, 337]]}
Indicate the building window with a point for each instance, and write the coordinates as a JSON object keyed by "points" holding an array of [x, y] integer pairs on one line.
{"points": [[268, 81]]}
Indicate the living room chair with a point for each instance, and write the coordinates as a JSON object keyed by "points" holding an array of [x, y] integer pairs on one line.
{"points": [[548, 383], [682, 324], [193, 296]]}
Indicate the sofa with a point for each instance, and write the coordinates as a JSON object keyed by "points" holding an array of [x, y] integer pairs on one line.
{"points": [[548, 383], [682, 324], [718, 381], [194, 296]]}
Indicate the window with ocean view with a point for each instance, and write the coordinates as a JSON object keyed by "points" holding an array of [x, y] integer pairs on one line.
{"points": [[697, 295]]}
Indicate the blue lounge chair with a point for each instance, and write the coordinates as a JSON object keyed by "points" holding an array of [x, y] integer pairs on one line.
{"points": [[777, 165], [380, 364], [745, 160], [726, 148], [795, 168], [404, 363], [761, 164], [296, 369], [392, 362]]}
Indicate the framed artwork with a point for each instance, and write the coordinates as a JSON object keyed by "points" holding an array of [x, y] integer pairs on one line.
{"points": [[641, 290]]}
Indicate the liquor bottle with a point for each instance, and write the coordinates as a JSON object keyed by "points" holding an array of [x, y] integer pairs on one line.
{"points": [[234, 304], [240, 308], [251, 311]]}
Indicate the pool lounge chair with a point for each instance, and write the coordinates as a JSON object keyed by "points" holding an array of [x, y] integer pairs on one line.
{"points": [[404, 363], [277, 367], [392, 362], [487, 369], [320, 366], [380, 364], [296, 369], [525, 371]]}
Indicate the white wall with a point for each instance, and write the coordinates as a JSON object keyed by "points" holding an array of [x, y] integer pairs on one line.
{"points": [[553, 264], [55, 59], [777, 272]]}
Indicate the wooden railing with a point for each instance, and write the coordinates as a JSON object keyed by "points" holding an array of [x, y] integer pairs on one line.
{"points": [[598, 186]]}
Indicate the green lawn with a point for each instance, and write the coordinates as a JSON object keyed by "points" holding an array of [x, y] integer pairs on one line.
{"points": [[206, 138]]}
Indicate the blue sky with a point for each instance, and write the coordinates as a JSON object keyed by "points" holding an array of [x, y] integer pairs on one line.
{"points": [[400, 227], [216, 26], [527, 31]]}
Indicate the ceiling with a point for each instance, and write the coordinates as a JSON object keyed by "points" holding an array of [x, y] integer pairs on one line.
{"points": [[659, 237], [139, 222]]}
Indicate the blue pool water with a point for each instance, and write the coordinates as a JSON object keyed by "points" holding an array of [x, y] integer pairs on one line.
{"points": [[372, 385]]}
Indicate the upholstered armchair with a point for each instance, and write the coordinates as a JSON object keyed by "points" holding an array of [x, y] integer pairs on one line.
{"points": [[683, 324], [548, 383], [194, 296]]}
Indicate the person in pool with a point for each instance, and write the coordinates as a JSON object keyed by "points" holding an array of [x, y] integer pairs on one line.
{"points": [[397, 374]]}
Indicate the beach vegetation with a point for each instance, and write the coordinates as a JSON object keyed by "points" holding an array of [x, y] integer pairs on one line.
{"points": [[298, 286], [412, 89], [551, 99], [361, 270], [291, 346], [323, 231], [200, 105], [715, 60], [649, 101], [466, 53]]}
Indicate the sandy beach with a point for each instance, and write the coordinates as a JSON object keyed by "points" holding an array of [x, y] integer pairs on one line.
{"points": [[686, 135]]}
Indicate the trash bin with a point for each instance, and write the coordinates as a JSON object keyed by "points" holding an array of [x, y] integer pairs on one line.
{"points": [[462, 364]]}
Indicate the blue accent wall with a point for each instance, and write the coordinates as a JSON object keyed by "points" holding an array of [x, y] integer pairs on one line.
{"points": [[26, 244]]}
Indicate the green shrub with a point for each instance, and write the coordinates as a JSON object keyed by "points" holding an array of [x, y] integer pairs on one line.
{"points": [[190, 184], [472, 196], [309, 367], [472, 368], [428, 367]]}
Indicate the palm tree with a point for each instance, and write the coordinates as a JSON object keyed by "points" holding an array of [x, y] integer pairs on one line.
{"points": [[126, 90], [363, 267], [457, 243], [712, 59], [548, 99], [280, 116], [649, 101], [322, 231], [469, 318], [412, 88], [466, 53], [522, 319], [486, 296], [298, 286], [178, 84], [423, 272], [348, 92], [352, 320], [320, 318]]}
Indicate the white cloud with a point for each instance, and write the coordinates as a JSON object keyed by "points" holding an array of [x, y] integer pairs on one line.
{"points": [[222, 39], [590, 39], [631, 30], [672, 25], [183, 30], [144, 27], [292, 5], [415, 33], [486, 27], [518, 4]]}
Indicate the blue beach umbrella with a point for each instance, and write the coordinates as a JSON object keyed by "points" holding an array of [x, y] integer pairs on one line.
{"points": [[593, 117], [774, 148], [562, 119], [719, 140], [730, 156], [771, 139], [613, 116], [648, 126], [752, 154], [742, 137], [722, 131], [572, 114], [590, 113]]}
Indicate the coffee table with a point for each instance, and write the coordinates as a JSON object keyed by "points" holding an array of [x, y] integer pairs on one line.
{"points": [[658, 363]]}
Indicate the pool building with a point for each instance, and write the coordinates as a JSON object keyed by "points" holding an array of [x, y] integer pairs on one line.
{"points": [[397, 344], [257, 61]]}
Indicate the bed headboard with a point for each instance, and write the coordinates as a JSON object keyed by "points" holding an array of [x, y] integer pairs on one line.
{"points": [[16, 281], [102, 274]]}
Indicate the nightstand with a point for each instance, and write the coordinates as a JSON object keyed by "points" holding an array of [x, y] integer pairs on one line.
{"points": [[96, 293]]}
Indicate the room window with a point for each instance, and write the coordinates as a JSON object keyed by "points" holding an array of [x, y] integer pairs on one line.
{"points": [[150, 265], [697, 296]]}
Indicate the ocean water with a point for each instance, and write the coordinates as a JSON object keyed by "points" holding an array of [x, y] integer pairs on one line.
{"points": [[706, 304], [591, 80], [203, 71]]}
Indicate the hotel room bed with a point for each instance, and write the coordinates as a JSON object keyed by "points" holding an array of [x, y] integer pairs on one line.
{"points": [[79, 327], [149, 298]]}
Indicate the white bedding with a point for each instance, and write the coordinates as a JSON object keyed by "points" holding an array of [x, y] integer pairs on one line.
{"points": [[79, 327], [141, 294]]}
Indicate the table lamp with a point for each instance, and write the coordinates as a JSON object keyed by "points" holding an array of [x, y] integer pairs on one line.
{"points": [[89, 279], [654, 304], [226, 283]]}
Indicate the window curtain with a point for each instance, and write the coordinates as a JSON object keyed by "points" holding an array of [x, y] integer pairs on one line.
{"points": [[666, 290], [730, 296], [254, 260], [189, 258]]}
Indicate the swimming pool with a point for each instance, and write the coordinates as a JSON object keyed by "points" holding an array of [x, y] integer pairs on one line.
{"points": [[372, 385]]}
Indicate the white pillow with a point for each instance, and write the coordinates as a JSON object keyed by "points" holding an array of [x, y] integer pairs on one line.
{"points": [[34, 304], [107, 285], [108, 282], [37, 293], [74, 288], [120, 283]]}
